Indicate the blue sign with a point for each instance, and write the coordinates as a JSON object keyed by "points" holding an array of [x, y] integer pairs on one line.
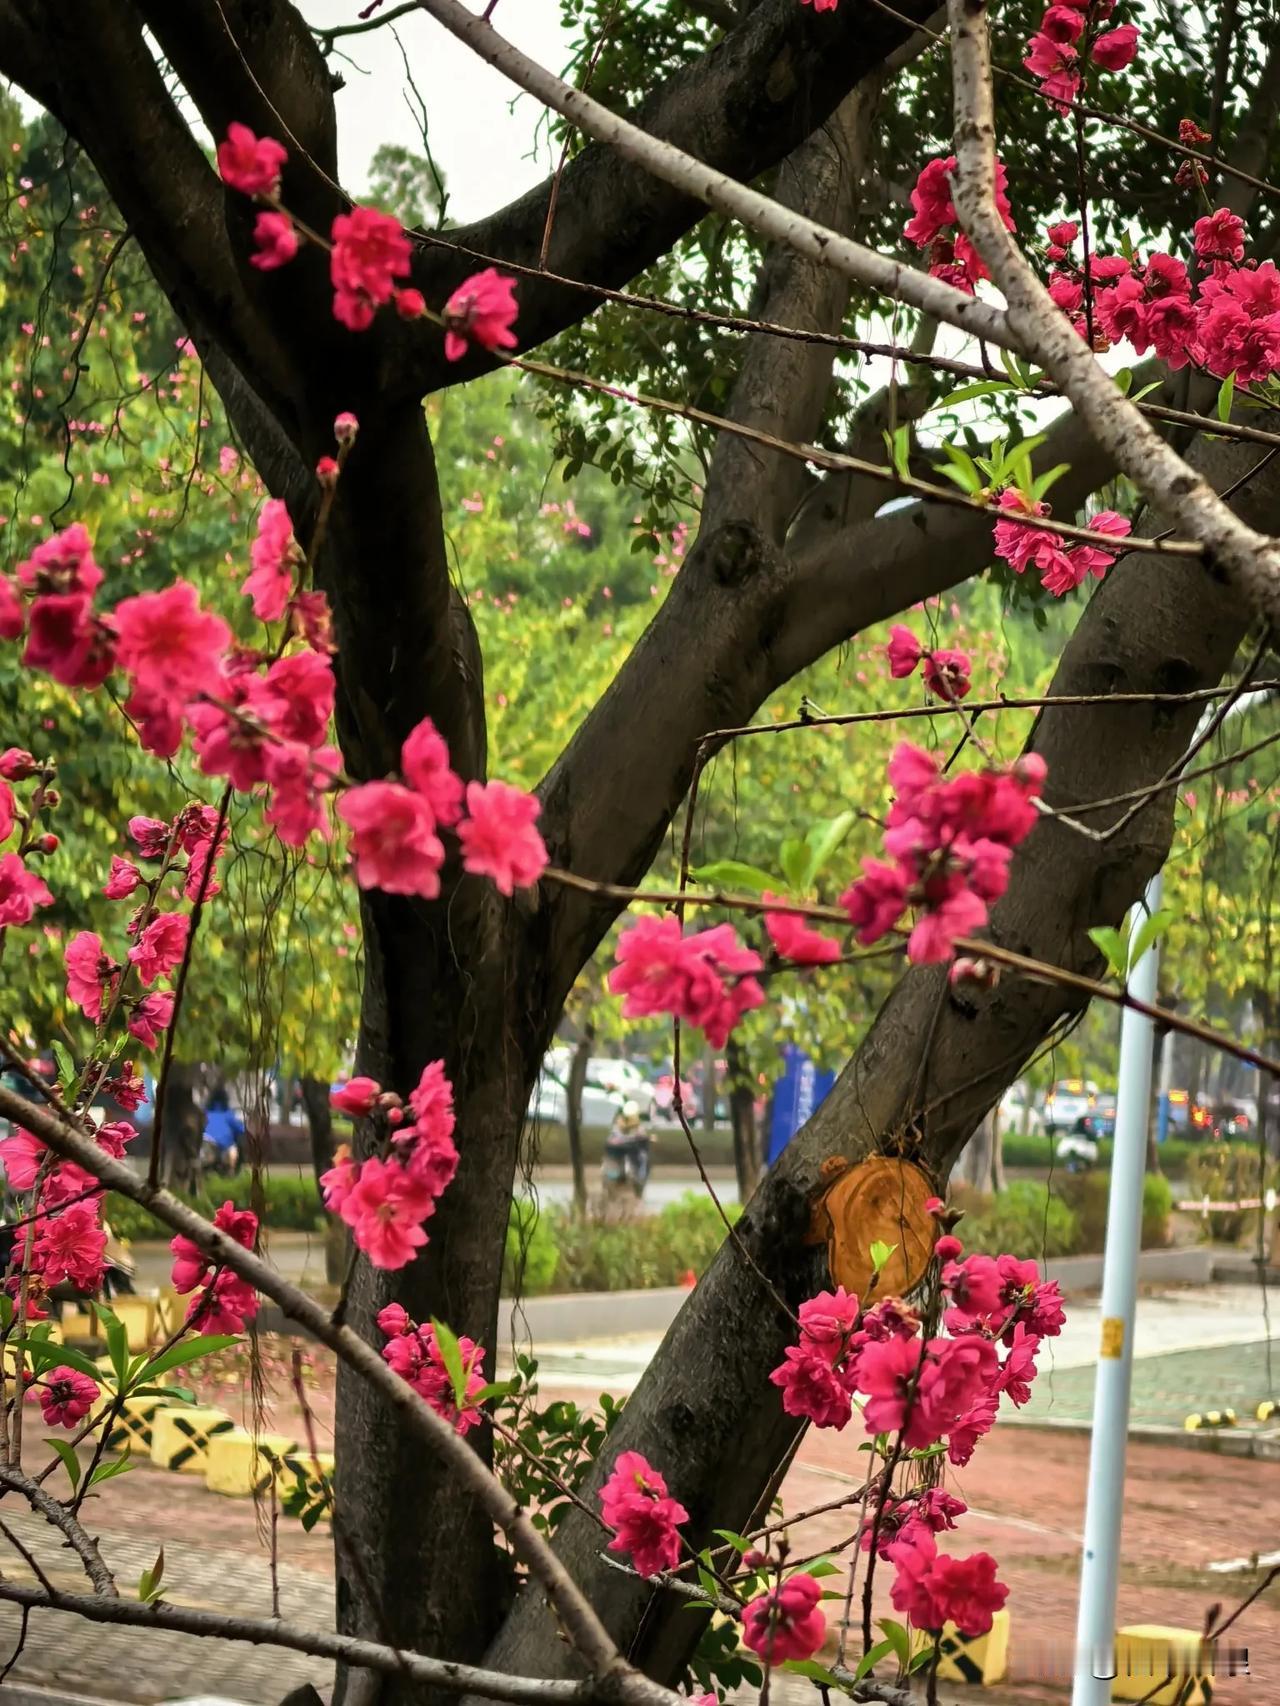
{"points": [[795, 1096]]}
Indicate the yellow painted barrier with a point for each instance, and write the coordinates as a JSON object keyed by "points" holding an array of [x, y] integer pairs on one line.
{"points": [[1210, 1419], [1267, 1409], [1153, 1664], [240, 1464], [134, 1423], [980, 1660], [180, 1436]]}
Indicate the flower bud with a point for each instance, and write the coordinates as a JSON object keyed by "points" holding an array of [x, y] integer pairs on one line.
{"points": [[327, 471], [345, 427], [16, 765]]}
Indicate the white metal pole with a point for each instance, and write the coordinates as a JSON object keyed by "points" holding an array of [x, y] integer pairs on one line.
{"points": [[1096, 1622]]}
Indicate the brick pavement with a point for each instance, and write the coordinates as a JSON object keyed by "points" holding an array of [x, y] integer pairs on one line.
{"points": [[1183, 1511]]}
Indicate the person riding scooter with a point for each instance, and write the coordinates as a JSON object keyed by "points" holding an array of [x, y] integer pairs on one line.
{"points": [[626, 1150]]}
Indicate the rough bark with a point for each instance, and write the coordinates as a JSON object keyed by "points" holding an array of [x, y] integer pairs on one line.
{"points": [[573, 1115], [182, 1122]]}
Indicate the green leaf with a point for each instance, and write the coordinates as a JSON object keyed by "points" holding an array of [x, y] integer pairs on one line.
{"points": [[1123, 380], [880, 1253], [824, 1567], [739, 1542], [117, 1342], [44, 1355], [1150, 930], [823, 840], [921, 1659], [66, 1068], [1147, 390], [794, 859], [451, 1357], [1114, 946], [871, 1658], [204, 1344], [962, 469], [116, 1466], [1040, 485], [734, 874], [810, 1668], [149, 1581], [898, 1639], [494, 1389], [66, 1451], [1226, 397], [979, 388]]}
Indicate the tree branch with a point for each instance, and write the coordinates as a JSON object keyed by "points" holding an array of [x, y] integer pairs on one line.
{"points": [[744, 105], [347, 1649], [55, 1512], [1250, 560]]}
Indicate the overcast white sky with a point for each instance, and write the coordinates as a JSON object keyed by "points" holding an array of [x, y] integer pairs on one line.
{"points": [[481, 144]]}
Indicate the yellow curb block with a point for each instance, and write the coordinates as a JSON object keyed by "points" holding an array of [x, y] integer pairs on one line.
{"points": [[180, 1436], [1147, 1653], [240, 1464], [134, 1425], [1210, 1419], [1267, 1409], [148, 1320], [978, 1659]]}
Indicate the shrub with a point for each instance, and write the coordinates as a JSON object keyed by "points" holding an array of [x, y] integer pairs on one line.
{"points": [[1026, 1218], [292, 1204], [1229, 1172], [531, 1256], [616, 1249], [1157, 1205]]}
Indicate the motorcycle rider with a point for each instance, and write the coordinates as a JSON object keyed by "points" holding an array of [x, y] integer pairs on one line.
{"points": [[626, 1154]]}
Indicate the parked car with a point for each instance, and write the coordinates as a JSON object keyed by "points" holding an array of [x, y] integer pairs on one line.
{"points": [[1230, 1119], [1068, 1100], [549, 1103]]}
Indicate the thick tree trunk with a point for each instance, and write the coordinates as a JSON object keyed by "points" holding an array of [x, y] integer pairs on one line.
{"points": [[742, 1114], [573, 1115], [315, 1100]]}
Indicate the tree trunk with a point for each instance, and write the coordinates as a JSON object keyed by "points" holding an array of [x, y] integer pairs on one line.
{"points": [[573, 1115], [315, 1100], [997, 1151], [974, 1166], [934, 1062], [742, 1114], [182, 1127]]}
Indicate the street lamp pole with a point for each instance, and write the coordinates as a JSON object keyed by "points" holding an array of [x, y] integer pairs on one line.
{"points": [[1099, 1573]]}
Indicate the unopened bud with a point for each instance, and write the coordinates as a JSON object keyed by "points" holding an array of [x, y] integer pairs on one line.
{"points": [[345, 427], [327, 471], [410, 304], [48, 844], [16, 765]]}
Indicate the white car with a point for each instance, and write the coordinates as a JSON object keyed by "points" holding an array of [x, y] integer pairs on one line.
{"points": [[1068, 1101], [608, 1082], [1019, 1117]]}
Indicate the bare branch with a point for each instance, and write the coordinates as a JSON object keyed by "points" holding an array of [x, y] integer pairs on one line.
{"points": [[270, 1632], [1249, 559]]}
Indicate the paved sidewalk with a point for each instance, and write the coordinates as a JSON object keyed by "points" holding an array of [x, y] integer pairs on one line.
{"points": [[67, 1652]]}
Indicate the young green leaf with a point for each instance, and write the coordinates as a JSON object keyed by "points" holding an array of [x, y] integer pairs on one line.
{"points": [[880, 1254], [898, 1638], [116, 1466], [188, 1350], [117, 1341], [451, 1356], [149, 1581], [824, 839], [1226, 397], [66, 1068], [734, 874], [979, 388], [66, 1451], [812, 1669], [1114, 946], [793, 856], [41, 1354], [1149, 931], [871, 1658]]}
